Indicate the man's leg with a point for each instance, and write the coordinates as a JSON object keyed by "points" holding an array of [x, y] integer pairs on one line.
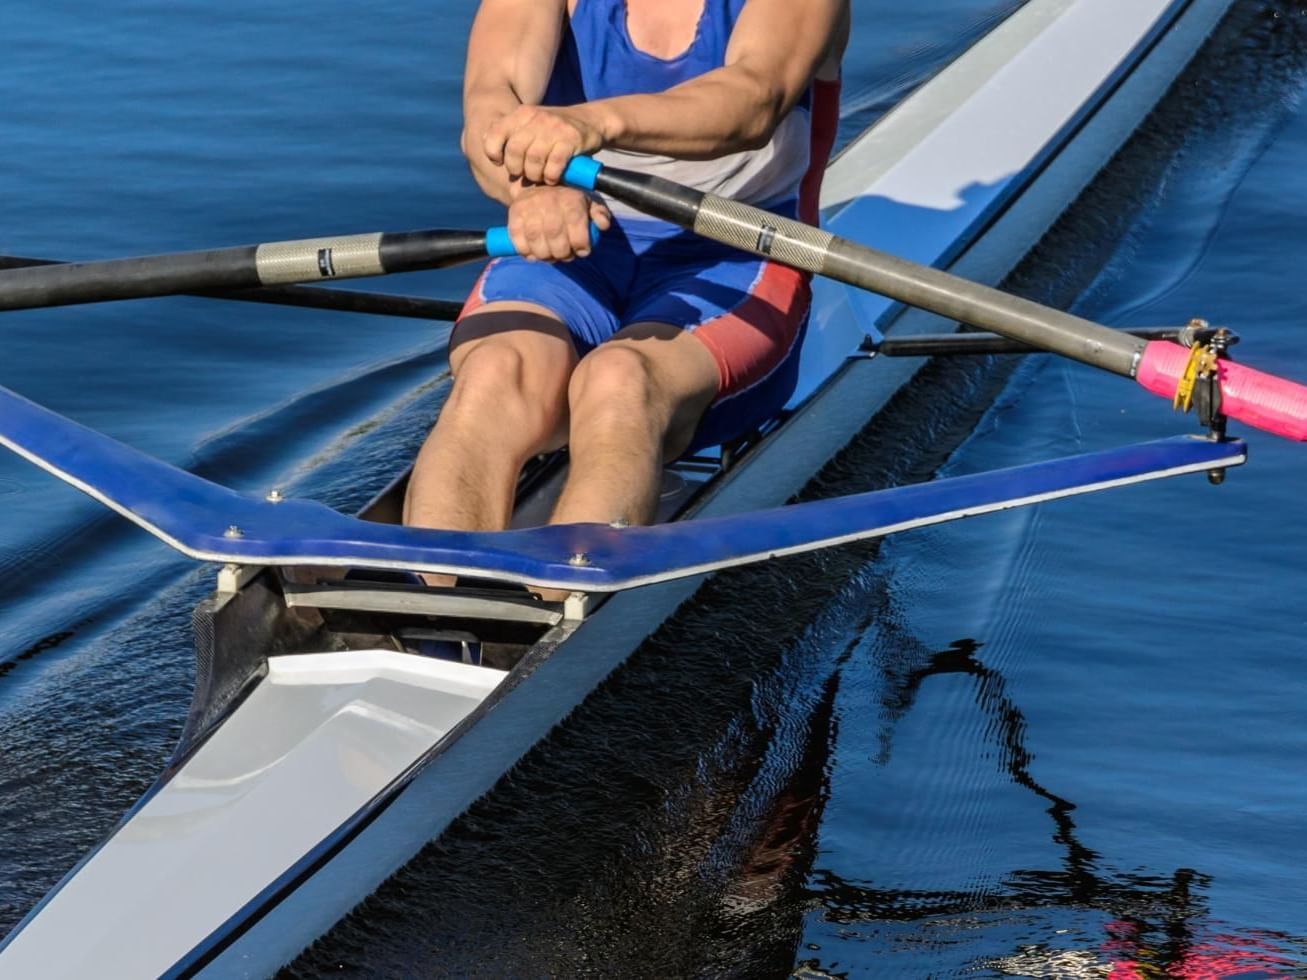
{"points": [[511, 364], [634, 401]]}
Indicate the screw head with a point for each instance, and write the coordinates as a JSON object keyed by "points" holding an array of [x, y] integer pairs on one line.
{"points": [[579, 560], [274, 496], [233, 532], [621, 522]]}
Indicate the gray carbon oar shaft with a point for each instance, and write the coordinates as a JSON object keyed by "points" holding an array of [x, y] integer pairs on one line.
{"points": [[243, 267], [814, 250]]}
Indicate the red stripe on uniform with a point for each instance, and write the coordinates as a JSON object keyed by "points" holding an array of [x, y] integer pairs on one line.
{"points": [[750, 341], [476, 298], [825, 116]]}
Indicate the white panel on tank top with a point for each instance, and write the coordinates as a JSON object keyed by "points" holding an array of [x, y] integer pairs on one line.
{"points": [[770, 174]]}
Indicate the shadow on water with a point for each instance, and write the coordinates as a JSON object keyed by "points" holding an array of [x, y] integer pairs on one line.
{"points": [[1157, 922]]}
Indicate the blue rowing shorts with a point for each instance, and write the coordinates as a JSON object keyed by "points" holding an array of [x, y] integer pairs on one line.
{"points": [[749, 312]]}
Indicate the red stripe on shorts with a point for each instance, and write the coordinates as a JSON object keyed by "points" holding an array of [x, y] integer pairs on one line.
{"points": [[477, 297], [750, 341]]}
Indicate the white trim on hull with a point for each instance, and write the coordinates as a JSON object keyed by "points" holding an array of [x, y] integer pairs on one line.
{"points": [[928, 140]]}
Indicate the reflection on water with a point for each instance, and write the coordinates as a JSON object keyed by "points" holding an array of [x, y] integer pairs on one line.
{"points": [[1136, 693], [1156, 924]]}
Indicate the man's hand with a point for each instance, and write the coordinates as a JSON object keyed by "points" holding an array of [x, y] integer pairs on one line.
{"points": [[552, 224], [536, 142]]}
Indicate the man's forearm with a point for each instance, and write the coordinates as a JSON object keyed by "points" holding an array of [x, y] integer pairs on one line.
{"points": [[510, 54], [776, 48], [719, 113], [480, 110], [725, 111]]}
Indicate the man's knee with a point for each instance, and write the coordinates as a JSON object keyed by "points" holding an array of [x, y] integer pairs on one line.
{"points": [[613, 378], [488, 371], [495, 390]]}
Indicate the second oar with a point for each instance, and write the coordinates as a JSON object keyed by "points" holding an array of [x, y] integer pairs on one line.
{"points": [[247, 266], [1261, 400]]}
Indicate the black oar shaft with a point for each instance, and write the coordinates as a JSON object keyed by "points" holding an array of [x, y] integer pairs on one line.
{"points": [[312, 297], [814, 250], [243, 267], [346, 301], [964, 344]]}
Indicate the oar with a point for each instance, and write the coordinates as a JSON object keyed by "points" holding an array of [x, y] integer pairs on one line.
{"points": [[313, 297], [247, 266], [1261, 400]]}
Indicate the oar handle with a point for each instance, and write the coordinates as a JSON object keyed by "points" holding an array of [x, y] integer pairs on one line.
{"points": [[581, 173], [500, 246]]}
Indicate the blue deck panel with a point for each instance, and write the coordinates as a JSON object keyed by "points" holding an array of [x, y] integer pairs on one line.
{"points": [[213, 523]]}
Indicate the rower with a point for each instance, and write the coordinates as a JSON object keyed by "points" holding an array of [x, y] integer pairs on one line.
{"points": [[653, 342]]}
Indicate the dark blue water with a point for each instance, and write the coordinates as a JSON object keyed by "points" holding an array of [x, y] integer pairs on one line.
{"points": [[1034, 745]]}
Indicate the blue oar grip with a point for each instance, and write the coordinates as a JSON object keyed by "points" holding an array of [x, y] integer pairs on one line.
{"points": [[499, 245], [581, 173]]}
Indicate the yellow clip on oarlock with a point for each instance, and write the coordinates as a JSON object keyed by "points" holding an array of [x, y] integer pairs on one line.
{"points": [[1202, 363]]}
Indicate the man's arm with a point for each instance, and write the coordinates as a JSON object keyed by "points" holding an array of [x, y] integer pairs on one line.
{"points": [[775, 50], [510, 55]]}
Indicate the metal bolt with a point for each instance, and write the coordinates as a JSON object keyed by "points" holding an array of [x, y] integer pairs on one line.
{"points": [[233, 532], [619, 523], [579, 559], [274, 496]]}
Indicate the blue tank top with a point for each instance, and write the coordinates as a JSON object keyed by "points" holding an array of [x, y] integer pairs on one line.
{"points": [[597, 60]]}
